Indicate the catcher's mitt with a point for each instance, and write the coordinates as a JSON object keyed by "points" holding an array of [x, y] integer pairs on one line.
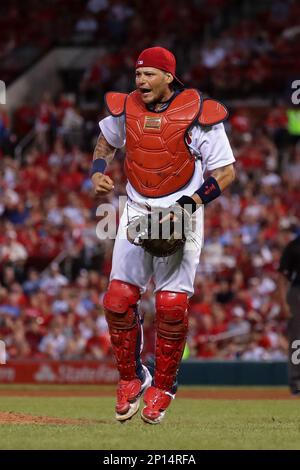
{"points": [[161, 232]]}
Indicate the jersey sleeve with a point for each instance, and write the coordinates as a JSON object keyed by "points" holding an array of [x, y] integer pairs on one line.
{"points": [[113, 129], [214, 147]]}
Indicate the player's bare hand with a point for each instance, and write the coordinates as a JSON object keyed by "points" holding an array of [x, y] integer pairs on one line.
{"points": [[103, 184]]}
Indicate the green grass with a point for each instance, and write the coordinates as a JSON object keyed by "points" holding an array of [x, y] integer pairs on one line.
{"points": [[188, 424]]}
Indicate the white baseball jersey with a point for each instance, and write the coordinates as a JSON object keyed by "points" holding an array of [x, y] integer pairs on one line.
{"points": [[210, 146], [133, 264]]}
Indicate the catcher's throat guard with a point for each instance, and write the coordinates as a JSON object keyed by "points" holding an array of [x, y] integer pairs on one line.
{"points": [[161, 232]]}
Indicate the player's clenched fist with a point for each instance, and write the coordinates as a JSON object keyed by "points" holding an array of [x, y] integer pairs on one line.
{"points": [[103, 184]]}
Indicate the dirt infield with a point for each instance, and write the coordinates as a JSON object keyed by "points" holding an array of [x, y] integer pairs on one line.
{"points": [[201, 394], [10, 417]]}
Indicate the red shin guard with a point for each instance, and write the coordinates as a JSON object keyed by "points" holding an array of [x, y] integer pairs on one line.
{"points": [[172, 326], [120, 307]]}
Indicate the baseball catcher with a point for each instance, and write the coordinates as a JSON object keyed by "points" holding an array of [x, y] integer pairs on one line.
{"points": [[173, 137]]}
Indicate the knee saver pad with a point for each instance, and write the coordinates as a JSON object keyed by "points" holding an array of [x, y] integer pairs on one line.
{"points": [[119, 302], [171, 315]]}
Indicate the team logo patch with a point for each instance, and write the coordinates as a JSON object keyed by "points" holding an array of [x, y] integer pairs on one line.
{"points": [[152, 122]]}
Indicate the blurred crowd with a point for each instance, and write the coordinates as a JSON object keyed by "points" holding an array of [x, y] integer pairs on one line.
{"points": [[54, 269], [242, 49], [233, 48]]}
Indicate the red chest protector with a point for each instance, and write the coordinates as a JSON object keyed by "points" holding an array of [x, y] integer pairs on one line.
{"points": [[158, 161]]}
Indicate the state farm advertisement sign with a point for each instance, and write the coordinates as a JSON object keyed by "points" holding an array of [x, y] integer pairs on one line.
{"points": [[59, 372]]}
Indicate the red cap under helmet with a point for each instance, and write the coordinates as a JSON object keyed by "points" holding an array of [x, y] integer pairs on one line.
{"points": [[159, 58]]}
